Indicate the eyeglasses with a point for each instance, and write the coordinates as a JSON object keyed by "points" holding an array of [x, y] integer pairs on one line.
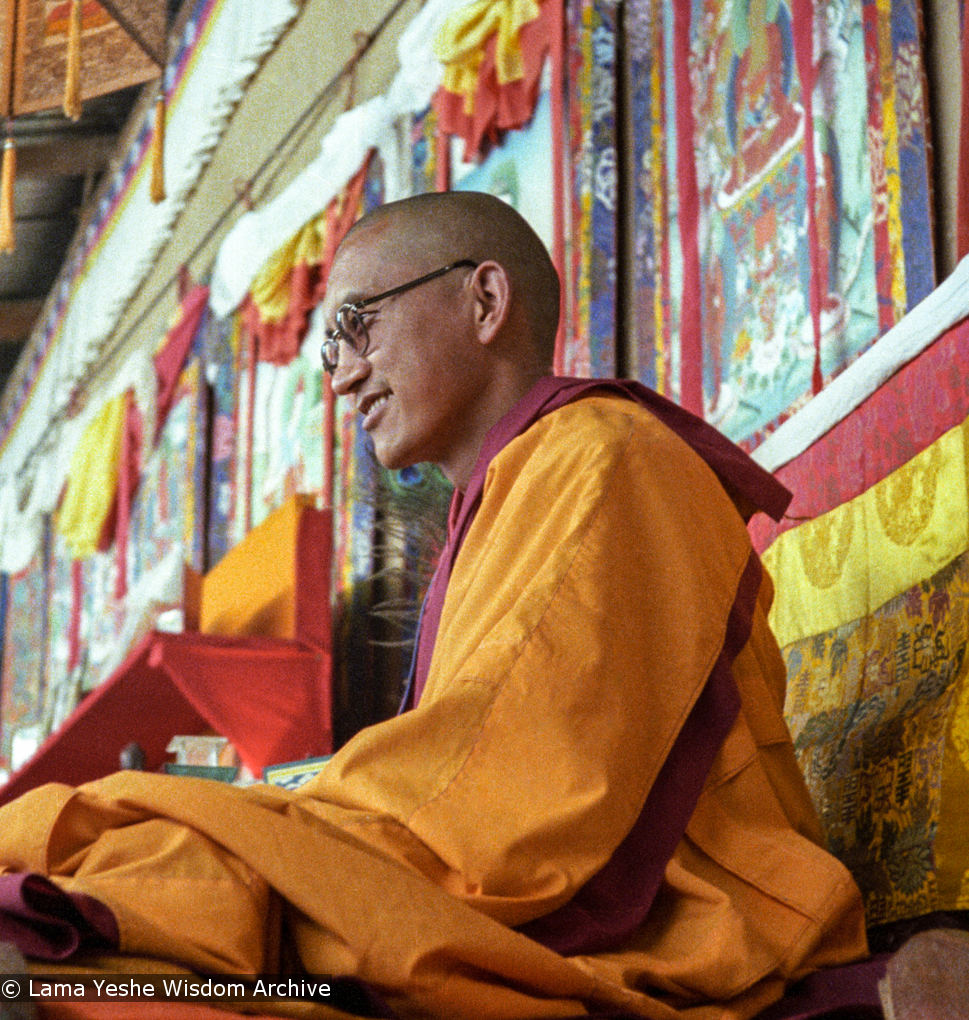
{"points": [[350, 327]]}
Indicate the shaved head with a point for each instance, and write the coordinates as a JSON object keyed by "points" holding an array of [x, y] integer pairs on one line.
{"points": [[459, 308], [431, 230]]}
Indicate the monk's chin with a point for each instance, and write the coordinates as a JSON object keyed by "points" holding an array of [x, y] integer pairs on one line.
{"points": [[390, 458]]}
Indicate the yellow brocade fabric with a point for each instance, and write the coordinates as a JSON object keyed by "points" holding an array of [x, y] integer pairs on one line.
{"points": [[584, 613], [461, 40], [851, 560], [879, 710], [93, 480], [871, 612]]}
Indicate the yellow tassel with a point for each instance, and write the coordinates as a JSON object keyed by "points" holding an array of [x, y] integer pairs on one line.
{"points": [[72, 83], [158, 152], [8, 238]]}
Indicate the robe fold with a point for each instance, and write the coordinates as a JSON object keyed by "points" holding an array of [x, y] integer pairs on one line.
{"points": [[588, 604]]}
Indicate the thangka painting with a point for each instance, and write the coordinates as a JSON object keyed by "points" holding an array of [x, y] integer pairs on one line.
{"points": [[195, 397], [287, 456], [110, 58], [163, 510], [590, 347], [104, 614], [423, 150], [8, 21], [194, 389], [356, 679], [850, 218], [222, 360], [24, 650], [98, 620], [240, 508], [755, 256], [60, 613], [519, 170]]}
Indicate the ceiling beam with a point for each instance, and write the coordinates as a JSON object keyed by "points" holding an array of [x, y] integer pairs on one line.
{"points": [[67, 157], [17, 318]]}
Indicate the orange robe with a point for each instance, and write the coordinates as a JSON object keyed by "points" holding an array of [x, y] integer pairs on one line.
{"points": [[584, 612]]}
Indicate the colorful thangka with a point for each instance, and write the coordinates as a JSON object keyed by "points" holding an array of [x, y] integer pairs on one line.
{"points": [[423, 151], [803, 253], [590, 239], [355, 516], [163, 514], [222, 356], [113, 59], [287, 456], [24, 649], [65, 619]]}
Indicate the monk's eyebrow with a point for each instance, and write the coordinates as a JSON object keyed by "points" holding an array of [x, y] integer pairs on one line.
{"points": [[349, 298]]}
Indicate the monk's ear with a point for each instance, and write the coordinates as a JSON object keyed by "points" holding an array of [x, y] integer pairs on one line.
{"points": [[492, 294]]}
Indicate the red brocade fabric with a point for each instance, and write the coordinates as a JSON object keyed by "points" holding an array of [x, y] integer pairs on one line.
{"points": [[920, 403]]}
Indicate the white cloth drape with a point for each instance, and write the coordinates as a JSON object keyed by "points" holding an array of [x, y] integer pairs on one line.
{"points": [[374, 124], [123, 242], [924, 324]]}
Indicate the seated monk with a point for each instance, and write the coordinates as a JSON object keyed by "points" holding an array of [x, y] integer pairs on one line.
{"points": [[590, 802]]}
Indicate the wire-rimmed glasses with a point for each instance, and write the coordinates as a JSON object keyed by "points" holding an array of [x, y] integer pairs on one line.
{"points": [[350, 327]]}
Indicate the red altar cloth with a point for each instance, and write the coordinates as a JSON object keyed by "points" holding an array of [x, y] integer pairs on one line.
{"points": [[269, 696]]}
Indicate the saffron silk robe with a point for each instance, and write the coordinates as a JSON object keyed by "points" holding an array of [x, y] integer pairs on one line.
{"points": [[584, 612]]}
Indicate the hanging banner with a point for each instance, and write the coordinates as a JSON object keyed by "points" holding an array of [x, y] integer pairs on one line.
{"points": [[35, 45]]}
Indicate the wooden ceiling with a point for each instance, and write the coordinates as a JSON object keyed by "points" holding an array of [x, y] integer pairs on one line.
{"points": [[59, 166]]}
